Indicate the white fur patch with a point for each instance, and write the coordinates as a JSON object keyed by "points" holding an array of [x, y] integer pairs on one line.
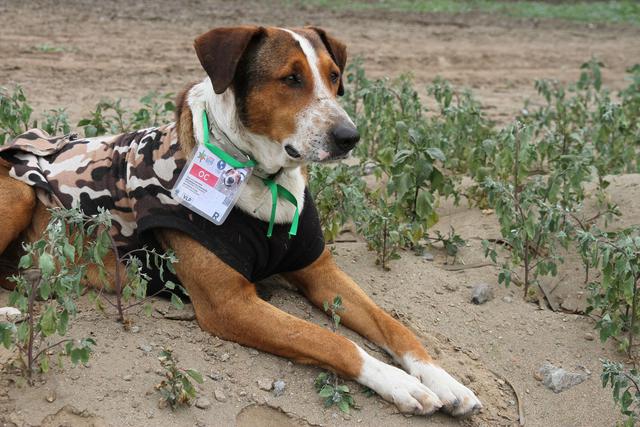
{"points": [[255, 199], [457, 399], [396, 386]]}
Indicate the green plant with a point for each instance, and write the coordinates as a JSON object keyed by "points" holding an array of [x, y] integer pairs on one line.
{"points": [[614, 296], [53, 271], [15, 116], [111, 117], [327, 384], [15, 113], [625, 387], [129, 277], [532, 223], [176, 388]]}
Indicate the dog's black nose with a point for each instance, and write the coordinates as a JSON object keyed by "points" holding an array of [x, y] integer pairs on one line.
{"points": [[345, 136]]}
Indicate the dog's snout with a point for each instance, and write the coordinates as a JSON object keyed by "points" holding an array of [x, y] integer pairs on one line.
{"points": [[345, 136]]}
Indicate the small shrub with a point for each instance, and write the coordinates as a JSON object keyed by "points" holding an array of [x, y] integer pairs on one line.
{"points": [[176, 388], [53, 271], [327, 384], [110, 117], [625, 387]]}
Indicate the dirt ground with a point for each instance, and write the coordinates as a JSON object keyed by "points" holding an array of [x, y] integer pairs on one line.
{"points": [[126, 49]]}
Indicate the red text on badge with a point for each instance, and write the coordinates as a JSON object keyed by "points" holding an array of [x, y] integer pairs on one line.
{"points": [[203, 175]]}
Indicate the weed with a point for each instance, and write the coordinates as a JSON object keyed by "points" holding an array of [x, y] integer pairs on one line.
{"points": [[110, 117], [625, 387], [176, 388], [327, 384], [53, 271]]}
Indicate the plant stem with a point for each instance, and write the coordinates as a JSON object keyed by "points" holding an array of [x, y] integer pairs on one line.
{"points": [[117, 279], [32, 297], [633, 315]]}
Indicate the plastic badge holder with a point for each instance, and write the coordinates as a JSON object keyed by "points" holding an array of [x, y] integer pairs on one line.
{"points": [[209, 186]]}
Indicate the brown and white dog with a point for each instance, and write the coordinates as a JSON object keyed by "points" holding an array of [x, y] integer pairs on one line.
{"points": [[273, 92]]}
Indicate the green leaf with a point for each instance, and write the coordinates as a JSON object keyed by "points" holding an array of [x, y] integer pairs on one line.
{"points": [[436, 153], [48, 321], [326, 391], [69, 252], [26, 261], [176, 301], [197, 377], [344, 406], [46, 264]]}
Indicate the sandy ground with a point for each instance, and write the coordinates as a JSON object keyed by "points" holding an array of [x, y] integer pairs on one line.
{"points": [[121, 49]]}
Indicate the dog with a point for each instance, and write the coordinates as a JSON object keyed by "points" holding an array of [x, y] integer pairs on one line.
{"points": [[271, 93]]}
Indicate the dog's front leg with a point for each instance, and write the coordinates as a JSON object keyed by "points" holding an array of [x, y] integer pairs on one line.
{"points": [[323, 280], [227, 305]]}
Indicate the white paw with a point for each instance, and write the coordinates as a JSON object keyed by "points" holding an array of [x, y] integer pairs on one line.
{"points": [[457, 399], [395, 385]]}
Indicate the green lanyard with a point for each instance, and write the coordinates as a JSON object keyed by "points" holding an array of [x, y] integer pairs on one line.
{"points": [[276, 189]]}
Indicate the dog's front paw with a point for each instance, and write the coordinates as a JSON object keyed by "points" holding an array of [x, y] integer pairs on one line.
{"points": [[457, 399], [395, 385]]}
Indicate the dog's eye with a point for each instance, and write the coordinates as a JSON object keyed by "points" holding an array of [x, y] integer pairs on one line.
{"points": [[334, 77], [294, 80]]}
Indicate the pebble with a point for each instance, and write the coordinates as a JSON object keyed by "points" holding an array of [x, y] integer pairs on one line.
{"points": [[451, 287], [278, 387], [135, 329], [220, 396], [203, 403], [127, 377], [481, 293], [427, 256], [507, 299], [10, 314], [224, 357], [51, 396], [558, 379], [265, 384], [216, 376], [588, 336], [145, 348]]}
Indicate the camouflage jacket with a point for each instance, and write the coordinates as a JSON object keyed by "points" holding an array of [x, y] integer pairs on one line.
{"points": [[132, 175]]}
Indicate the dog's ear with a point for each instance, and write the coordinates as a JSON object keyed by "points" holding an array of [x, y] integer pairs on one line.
{"points": [[337, 50], [220, 50]]}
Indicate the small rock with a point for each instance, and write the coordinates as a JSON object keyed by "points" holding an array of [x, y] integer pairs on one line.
{"points": [[278, 387], [220, 396], [537, 375], [146, 348], [135, 329], [254, 352], [265, 384], [427, 256], [51, 396], [216, 376], [135, 404], [224, 357], [10, 314], [203, 403], [508, 299], [127, 377], [588, 336], [451, 287], [481, 293], [558, 379]]}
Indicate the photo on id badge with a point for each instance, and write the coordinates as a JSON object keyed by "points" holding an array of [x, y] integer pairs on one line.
{"points": [[229, 182]]}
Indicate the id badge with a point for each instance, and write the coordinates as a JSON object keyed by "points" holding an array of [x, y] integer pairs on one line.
{"points": [[209, 186]]}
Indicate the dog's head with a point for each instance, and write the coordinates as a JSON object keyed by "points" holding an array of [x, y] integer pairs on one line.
{"points": [[285, 85]]}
